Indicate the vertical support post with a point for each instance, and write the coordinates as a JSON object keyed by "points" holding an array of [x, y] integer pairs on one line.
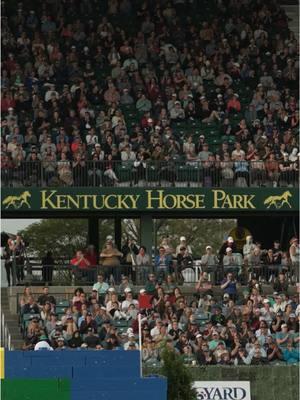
{"points": [[140, 344], [146, 232], [93, 233], [118, 232], [14, 269]]}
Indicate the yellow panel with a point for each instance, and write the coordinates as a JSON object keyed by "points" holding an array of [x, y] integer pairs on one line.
{"points": [[2, 363]]}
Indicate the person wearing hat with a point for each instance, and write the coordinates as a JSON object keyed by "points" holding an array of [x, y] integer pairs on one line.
{"points": [[209, 261], [60, 344], [129, 300], [43, 344], [131, 343], [87, 323], [183, 243], [229, 242], [230, 262], [91, 339]]}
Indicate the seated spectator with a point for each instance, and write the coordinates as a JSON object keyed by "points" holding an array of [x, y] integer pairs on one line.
{"points": [[46, 297], [101, 286], [30, 307]]}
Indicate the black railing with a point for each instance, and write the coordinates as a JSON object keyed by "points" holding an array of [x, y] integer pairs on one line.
{"points": [[64, 274], [148, 174]]}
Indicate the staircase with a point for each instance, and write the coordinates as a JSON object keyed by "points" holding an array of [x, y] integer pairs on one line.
{"points": [[10, 323], [292, 11]]}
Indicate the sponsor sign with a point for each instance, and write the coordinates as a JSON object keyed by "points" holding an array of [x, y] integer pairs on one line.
{"points": [[222, 390]]}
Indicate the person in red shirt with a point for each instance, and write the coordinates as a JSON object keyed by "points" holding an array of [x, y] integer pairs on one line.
{"points": [[234, 104], [80, 264]]}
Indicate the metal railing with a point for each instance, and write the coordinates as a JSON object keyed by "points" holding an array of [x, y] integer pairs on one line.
{"points": [[5, 335], [64, 274], [147, 174]]}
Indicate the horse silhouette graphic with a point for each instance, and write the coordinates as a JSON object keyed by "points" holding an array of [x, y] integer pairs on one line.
{"points": [[278, 201], [17, 201]]}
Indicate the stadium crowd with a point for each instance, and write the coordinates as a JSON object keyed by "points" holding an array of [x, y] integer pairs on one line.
{"points": [[131, 83], [207, 329], [216, 325]]}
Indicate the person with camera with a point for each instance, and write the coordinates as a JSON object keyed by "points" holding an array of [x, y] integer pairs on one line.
{"points": [[228, 285], [17, 249]]}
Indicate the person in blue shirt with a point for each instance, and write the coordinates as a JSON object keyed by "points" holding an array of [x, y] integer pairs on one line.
{"points": [[228, 285], [163, 264]]}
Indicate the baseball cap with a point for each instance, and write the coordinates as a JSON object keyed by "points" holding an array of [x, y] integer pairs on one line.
{"points": [[266, 301], [208, 247], [182, 238], [142, 291], [127, 290]]}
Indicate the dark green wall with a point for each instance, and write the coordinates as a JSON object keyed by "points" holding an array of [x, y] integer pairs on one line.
{"points": [[35, 389]]}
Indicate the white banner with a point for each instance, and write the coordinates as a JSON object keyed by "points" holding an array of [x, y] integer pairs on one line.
{"points": [[222, 390]]}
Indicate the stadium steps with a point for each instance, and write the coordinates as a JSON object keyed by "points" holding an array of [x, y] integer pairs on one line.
{"points": [[292, 12], [12, 322]]}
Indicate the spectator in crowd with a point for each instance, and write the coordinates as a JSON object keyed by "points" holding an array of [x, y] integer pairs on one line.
{"points": [[110, 259], [48, 266]]}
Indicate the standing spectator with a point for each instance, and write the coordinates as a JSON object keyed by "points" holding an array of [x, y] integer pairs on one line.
{"points": [[228, 285], [80, 264], [143, 262], [183, 243], [110, 260], [48, 267], [163, 264]]}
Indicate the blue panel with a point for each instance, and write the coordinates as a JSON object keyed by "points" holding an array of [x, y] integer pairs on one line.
{"points": [[115, 384], [120, 395], [87, 373], [57, 371]]}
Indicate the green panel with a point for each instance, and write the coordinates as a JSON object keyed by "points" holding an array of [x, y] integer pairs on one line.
{"points": [[175, 200], [35, 389]]}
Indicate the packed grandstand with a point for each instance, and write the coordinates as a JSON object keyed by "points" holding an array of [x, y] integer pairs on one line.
{"points": [[132, 93]]}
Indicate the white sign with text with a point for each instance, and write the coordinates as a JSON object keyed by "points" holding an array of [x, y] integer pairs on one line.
{"points": [[222, 390]]}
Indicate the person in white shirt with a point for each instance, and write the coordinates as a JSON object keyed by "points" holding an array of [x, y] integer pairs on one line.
{"points": [[131, 342], [43, 345], [248, 247], [129, 300], [156, 330], [101, 286], [183, 243]]}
